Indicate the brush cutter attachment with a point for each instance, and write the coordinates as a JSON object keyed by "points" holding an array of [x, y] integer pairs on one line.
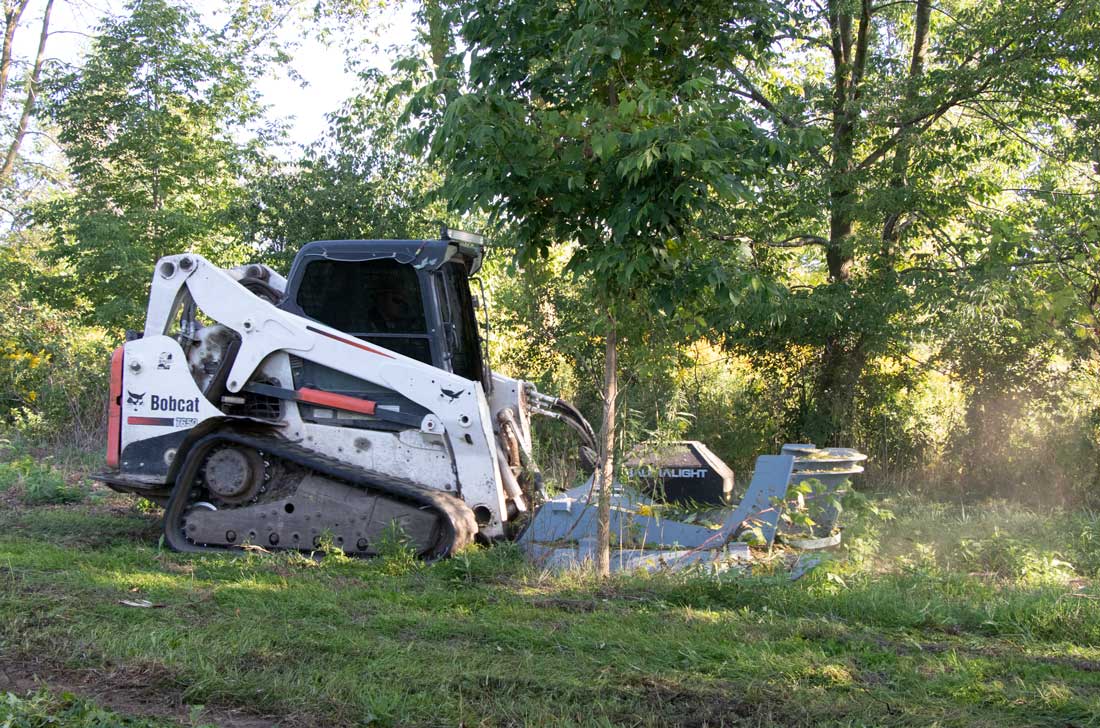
{"points": [[674, 533]]}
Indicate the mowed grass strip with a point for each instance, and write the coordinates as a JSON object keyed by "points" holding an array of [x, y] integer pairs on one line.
{"points": [[484, 639]]}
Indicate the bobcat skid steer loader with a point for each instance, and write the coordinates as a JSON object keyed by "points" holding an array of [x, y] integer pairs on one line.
{"points": [[349, 400], [350, 396]]}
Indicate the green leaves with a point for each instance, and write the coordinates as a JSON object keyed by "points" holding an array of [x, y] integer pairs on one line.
{"points": [[598, 123], [359, 179], [151, 126]]}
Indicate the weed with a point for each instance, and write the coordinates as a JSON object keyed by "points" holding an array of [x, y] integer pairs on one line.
{"points": [[146, 506], [1008, 557], [39, 483], [332, 553], [43, 709], [396, 554], [481, 564], [44, 485], [1084, 540], [11, 474]]}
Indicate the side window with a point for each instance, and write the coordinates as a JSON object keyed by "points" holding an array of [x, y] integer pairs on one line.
{"points": [[376, 300], [459, 323]]}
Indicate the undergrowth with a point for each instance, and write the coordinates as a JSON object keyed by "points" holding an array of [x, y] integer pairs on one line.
{"points": [[39, 483], [44, 709]]}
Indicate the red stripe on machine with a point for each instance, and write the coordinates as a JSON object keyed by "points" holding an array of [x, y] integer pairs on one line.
{"points": [[157, 421], [336, 401], [356, 344]]}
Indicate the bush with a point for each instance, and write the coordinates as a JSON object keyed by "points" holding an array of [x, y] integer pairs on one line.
{"points": [[53, 373], [38, 484]]}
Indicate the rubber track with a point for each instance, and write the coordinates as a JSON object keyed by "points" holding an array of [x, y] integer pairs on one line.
{"points": [[458, 519]]}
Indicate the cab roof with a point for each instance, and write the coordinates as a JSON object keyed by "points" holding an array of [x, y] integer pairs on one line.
{"points": [[428, 254]]}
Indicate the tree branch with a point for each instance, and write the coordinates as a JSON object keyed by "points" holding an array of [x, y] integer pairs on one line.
{"points": [[12, 13], [1027, 262], [859, 65], [902, 130], [796, 241], [32, 92], [751, 92]]}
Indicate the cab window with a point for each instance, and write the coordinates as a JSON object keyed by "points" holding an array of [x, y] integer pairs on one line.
{"points": [[376, 300]]}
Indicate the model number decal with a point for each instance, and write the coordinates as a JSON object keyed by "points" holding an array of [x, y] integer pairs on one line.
{"points": [[162, 421]]}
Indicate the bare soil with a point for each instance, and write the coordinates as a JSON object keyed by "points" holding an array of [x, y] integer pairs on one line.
{"points": [[144, 691]]}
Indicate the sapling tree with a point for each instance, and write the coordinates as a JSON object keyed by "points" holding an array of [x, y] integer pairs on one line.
{"points": [[603, 126]]}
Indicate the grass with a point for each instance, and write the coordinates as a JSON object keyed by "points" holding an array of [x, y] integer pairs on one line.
{"points": [[943, 615]]}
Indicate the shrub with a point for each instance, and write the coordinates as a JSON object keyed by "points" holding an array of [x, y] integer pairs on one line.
{"points": [[53, 373], [38, 483]]}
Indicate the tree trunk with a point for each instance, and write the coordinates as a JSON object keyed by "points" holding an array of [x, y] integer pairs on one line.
{"points": [[32, 93], [440, 44], [899, 166], [439, 36], [841, 357], [606, 472], [844, 355], [842, 362]]}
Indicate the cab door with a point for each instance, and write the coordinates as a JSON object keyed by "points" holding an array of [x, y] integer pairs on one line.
{"points": [[462, 344]]}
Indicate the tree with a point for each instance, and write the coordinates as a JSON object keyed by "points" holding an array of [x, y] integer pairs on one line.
{"points": [[909, 119], [603, 125], [152, 126]]}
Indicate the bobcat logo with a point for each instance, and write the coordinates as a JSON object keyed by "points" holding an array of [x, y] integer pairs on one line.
{"points": [[451, 394], [134, 400]]}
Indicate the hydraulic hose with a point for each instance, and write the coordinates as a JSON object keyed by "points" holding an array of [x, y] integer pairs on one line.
{"points": [[563, 411]]}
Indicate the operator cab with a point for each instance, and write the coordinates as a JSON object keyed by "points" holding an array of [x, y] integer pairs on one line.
{"points": [[409, 296]]}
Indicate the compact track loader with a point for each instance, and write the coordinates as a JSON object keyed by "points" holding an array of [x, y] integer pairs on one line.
{"points": [[340, 402], [349, 396]]}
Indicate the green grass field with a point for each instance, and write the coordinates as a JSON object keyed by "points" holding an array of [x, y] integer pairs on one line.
{"points": [[949, 616]]}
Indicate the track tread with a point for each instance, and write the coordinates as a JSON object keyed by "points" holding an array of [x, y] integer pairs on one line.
{"points": [[458, 517]]}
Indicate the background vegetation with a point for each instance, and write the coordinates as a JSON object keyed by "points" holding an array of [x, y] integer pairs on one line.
{"points": [[851, 223]]}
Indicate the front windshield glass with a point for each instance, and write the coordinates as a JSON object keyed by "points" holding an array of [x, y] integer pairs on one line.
{"points": [[363, 297]]}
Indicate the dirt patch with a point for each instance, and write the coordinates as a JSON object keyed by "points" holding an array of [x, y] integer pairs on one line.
{"points": [[1070, 662], [697, 706], [11, 499], [145, 691]]}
